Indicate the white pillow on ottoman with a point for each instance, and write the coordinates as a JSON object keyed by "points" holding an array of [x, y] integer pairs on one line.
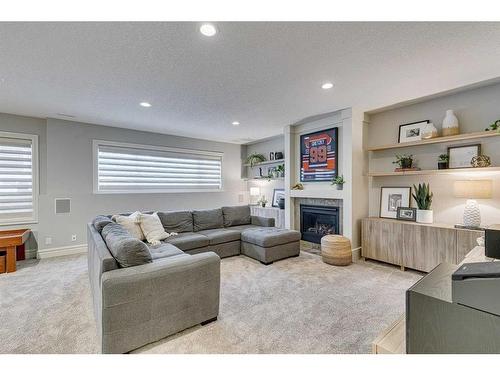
{"points": [[153, 228], [131, 224]]}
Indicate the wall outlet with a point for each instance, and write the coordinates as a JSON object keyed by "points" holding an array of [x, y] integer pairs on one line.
{"points": [[73, 237], [48, 240], [241, 198]]}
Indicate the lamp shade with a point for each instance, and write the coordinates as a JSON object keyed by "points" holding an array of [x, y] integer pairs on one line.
{"points": [[472, 189], [254, 191]]}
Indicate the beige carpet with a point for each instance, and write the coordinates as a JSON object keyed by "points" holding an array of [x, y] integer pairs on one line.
{"points": [[298, 305]]}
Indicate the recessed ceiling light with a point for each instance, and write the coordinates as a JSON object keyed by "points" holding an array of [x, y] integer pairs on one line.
{"points": [[235, 123], [327, 85], [208, 29], [145, 104]]}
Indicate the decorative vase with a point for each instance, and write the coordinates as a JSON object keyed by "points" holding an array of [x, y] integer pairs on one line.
{"points": [[425, 216], [442, 165], [263, 205], [472, 214], [281, 203], [450, 124], [339, 186], [429, 131]]}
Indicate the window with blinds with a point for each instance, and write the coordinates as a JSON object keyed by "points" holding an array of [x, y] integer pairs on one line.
{"points": [[130, 168], [18, 189]]}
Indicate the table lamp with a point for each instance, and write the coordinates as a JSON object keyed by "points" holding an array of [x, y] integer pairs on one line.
{"points": [[472, 190], [254, 192]]}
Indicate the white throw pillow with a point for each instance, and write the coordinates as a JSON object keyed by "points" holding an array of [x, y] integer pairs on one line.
{"points": [[131, 224], [153, 228]]}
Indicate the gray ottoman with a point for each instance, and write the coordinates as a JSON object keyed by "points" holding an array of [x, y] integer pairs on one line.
{"points": [[270, 244]]}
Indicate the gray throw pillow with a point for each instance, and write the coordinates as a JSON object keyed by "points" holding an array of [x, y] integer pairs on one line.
{"points": [[236, 215], [100, 222], [207, 219], [177, 221], [126, 249]]}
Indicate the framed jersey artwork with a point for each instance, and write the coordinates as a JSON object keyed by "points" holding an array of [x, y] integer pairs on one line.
{"points": [[319, 159]]}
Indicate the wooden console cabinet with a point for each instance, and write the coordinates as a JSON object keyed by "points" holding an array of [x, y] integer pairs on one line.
{"points": [[418, 246]]}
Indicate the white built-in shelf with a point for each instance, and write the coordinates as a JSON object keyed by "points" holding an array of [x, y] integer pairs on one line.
{"points": [[434, 172], [451, 138], [265, 178], [267, 162]]}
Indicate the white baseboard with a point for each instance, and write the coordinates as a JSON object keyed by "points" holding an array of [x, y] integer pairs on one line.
{"points": [[61, 251]]}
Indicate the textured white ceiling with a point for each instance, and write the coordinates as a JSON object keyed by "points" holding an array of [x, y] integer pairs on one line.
{"points": [[264, 75]]}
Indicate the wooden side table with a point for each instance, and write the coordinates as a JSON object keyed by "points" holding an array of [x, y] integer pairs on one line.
{"points": [[9, 240]]}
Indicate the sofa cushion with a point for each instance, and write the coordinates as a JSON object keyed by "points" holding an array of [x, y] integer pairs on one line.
{"points": [[131, 224], [236, 215], [268, 237], [188, 240], [207, 219], [126, 249], [164, 250], [241, 228], [100, 222], [177, 221], [220, 235]]}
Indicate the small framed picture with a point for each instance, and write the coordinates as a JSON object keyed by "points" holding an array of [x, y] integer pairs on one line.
{"points": [[406, 213], [391, 198], [277, 195], [411, 132], [461, 156]]}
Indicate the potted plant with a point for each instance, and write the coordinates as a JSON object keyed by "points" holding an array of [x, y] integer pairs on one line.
{"points": [[443, 161], [280, 169], [339, 182], [255, 158], [494, 126], [423, 197], [262, 201], [404, 161]]}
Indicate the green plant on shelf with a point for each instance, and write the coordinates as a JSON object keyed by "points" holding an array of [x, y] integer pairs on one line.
{"points": [[404, 161], [444, 158], [495, 126], [262, 201], [423, 196], [339, 180], [255, 158], [280, 169]]}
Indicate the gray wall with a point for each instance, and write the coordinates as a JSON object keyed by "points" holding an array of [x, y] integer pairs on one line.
{"points": [[475, 110], [66, 172]]}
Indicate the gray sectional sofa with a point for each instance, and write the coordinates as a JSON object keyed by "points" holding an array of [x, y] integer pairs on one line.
{"points": [[179, 286]]}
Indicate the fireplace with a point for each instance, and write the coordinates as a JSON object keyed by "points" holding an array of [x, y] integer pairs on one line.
{"points": [[318, 221]]}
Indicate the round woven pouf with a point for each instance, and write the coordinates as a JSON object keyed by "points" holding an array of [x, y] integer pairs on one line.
{"points": [[336, 250]]}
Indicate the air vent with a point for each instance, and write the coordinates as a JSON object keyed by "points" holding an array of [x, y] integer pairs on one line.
{"points": [[63, 206]]}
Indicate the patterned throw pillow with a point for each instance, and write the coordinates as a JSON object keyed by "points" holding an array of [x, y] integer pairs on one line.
{"points": [[153, 228], [131, 224]]}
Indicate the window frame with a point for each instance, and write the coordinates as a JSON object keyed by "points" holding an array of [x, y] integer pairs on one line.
{"points": [[95, 178], [35, 177]]}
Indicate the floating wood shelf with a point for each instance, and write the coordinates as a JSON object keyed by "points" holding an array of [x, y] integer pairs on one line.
{"points": [[267, 162], [452, 138], [434, 172]]}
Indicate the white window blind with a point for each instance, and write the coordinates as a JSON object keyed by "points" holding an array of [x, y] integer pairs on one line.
{"points": [[18, 190], [128, 168]]}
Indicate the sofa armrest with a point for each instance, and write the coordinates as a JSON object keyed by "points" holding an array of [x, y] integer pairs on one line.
{"points": [[146, 303], [263, 221]]}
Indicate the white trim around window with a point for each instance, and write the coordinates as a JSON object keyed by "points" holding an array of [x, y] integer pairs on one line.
{"points": [[124, 168], [19, 183]]}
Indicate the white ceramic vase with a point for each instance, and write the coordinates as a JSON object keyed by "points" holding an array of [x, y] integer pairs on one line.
{"points": [[429, 131], [450, 124], [425, 216]]}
